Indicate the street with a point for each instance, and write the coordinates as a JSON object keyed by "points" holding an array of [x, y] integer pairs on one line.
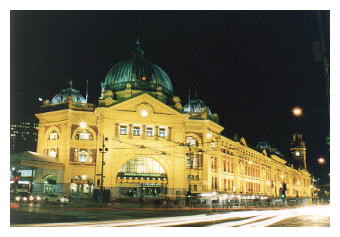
{"points": [[56, 215]]}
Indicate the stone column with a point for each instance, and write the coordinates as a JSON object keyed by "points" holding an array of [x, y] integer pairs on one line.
{"points": [[169, 134], [117, 130], [130, 130], [143, 131], [156, 132]]}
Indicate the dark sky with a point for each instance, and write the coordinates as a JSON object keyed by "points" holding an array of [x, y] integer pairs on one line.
{"points": [[250, 67]]}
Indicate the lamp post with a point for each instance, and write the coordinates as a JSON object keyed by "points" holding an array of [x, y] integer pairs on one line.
{"points": [[102, 150]]}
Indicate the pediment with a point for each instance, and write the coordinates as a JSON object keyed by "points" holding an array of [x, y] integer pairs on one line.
{"points": [[147, 101]]}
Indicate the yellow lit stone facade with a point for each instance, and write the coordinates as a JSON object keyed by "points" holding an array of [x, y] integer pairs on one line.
{"points": [[185, 152], [153, 146]]}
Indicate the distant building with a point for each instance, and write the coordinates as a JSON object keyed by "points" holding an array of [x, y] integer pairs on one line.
{"points": [[24, 136], [153, 145]]}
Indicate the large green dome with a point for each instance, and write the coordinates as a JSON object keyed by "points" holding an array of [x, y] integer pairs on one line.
{"points": [[139, 72]]}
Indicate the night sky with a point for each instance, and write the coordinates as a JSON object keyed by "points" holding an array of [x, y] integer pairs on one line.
{"points": [[250, 67]]}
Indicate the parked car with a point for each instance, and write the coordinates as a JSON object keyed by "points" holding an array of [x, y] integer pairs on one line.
{"points": [[50, 197], [24, 197]]}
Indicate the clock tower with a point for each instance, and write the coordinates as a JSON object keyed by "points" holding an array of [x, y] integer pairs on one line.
{"points": [[298, 150]]}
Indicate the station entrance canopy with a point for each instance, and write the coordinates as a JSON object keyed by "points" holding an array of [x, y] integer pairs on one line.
{"points": [[33, 159]]}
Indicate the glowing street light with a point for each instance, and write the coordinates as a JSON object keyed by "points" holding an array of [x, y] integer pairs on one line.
{"points": [[297, 111], [321, 160]]}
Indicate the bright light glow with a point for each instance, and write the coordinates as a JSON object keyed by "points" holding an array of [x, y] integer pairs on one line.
{"points": [[24, 198], [297, 111], [209, 135], [83, 125], [38, 198], [17, 198], [40, 99], [250, 162], [260, 218], [31, 198], [52, 153], [144, 113], [321, 160]]}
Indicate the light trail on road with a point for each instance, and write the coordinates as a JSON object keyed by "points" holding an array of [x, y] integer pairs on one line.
{"points": [[260, 218]]}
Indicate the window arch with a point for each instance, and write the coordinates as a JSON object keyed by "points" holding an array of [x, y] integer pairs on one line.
{"points": [[84, 134], [191, 141], [142, 165], [54, 135]]}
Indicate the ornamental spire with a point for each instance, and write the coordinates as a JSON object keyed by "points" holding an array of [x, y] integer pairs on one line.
{"points": [[138, 51]]}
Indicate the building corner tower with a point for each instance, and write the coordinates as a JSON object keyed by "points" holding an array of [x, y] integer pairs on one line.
{"points": [[298, 150]]}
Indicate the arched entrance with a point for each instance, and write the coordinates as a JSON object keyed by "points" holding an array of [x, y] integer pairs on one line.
{"points": [[81, 184], [50, 184], [141, 177]]}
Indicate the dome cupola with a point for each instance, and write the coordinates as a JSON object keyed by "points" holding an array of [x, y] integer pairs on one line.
{"points": [[137, 73], [68, 94], [196, 105]]}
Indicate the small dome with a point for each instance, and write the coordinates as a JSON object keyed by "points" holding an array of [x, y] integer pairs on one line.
{"points": [[139, 72], [71, 93], [196, 105]]}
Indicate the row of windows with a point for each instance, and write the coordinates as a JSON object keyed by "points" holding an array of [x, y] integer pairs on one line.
{"points": [[194, 160], [123, 130], [252, 171], [80, 135], [193, 187], [252, 187], [137, 131], [193, 177], [228, 184], [228, 166]]}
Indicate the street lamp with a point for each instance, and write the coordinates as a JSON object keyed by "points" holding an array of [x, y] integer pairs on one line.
{"points": [[321, 161], [102, 150], [297, 111]]}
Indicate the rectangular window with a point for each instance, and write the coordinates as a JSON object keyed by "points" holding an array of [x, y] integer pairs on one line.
{"points": [[162, 132], [123, 130], [149, 132], [136, 131], [195, 187], [83, 155]]}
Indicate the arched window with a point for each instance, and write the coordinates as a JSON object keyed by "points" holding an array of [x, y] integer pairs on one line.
{"points": [[142, 165], [84, 135], [53, 135], [192, 141]]}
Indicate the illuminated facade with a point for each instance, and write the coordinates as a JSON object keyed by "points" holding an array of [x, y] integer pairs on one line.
{"points": [[153, 146]]}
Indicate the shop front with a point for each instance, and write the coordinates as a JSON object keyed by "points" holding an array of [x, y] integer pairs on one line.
{"points": [[141, 177], [81, 185]]}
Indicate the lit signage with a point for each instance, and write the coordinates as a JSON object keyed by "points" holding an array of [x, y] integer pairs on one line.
{"points": [[26, 173]]}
